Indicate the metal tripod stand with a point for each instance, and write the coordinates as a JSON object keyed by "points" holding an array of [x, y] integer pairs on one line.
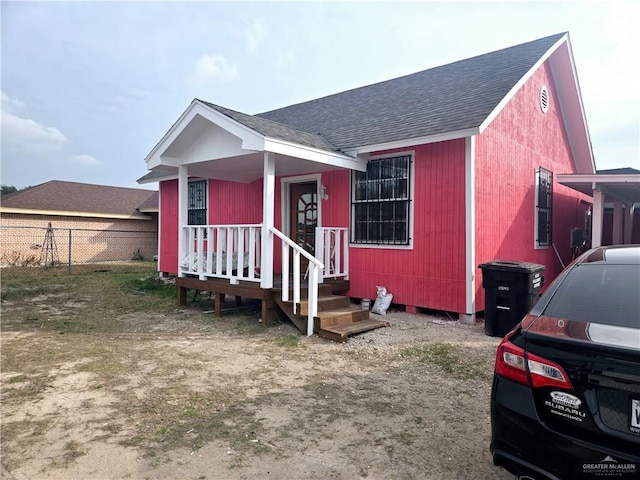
{"points": [[49, 253]]}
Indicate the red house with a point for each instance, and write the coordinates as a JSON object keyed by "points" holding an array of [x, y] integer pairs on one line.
{"points": [[409, 183]]}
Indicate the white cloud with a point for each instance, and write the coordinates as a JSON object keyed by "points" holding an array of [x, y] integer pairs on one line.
{"points": [[213, 67], [255, 33], [84, 160], [10, 104], [24, 135]]}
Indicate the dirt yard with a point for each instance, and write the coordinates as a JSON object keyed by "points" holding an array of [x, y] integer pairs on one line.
{"points": [[104, 377]]}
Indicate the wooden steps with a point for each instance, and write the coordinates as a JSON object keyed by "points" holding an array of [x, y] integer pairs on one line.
{"points": [[326, 303], [340, 316], [340, 333], [336, 320]]}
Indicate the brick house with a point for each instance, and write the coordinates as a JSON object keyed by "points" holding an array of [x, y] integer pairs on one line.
{"points": [[102, 223]]}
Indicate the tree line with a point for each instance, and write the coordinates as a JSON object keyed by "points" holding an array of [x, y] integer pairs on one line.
{"points": [[6, 189]]}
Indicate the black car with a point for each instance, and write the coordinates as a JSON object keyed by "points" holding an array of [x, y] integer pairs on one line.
{"points": [[565, 402]]}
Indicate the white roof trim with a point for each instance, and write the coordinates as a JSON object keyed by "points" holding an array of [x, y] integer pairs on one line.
{"points": [[171, 132], [587, 137], [63, 213], [172, 176], [411, 142], [598, 178], [316, 155], [252, 141], [491, 117], [583, 136]]}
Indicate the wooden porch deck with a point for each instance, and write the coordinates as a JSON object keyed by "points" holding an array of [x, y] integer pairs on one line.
{"points": [[337, 319]]}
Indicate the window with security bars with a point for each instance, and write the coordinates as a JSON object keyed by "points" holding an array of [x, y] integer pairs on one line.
{"points": [[544, 207], [197, 203], [380, 202]]}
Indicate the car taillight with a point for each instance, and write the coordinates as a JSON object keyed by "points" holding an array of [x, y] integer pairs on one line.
{"points": [[514, 363], [511, 362]]}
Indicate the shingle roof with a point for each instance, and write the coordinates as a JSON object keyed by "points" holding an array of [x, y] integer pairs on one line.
{"points": [[457, 98], [449, 98], [274, 129], [151, 204], [619, 171], [58, 196]]}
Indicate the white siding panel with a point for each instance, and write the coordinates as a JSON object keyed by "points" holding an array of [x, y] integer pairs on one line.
{"points": [[213, 143]]}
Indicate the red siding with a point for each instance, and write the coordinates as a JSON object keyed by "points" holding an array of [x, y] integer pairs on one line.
{"points": [[168, 227], [432, 274], [231, 203], [228, 203], [335, 210], [521, 139]]}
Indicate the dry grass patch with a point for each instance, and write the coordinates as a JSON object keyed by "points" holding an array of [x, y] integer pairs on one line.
{"points": [[460, 361], [107, 362]]}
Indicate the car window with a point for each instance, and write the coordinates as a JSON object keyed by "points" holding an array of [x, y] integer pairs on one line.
{"points": [[608, 294]]}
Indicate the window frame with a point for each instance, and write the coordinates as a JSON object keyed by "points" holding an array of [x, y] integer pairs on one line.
{"points": [[409, 200], [205, 191], [543, 206]]}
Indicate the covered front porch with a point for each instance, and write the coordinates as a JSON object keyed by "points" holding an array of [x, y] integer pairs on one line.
{"points": [[277, 240]]}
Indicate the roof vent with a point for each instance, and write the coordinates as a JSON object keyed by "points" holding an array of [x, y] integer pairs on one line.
{"points": [[544, 99]]}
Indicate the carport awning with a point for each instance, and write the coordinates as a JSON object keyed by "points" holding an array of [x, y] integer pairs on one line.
{"points": [[622, 187]]}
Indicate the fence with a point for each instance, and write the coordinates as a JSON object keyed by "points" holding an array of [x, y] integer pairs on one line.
{"points": [[28, 247]]}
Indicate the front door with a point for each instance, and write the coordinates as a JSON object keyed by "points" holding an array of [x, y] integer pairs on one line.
{"points": [[304, 218]]}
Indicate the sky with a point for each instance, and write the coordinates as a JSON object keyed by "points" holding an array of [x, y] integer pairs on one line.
{"points": [[89, 88]]}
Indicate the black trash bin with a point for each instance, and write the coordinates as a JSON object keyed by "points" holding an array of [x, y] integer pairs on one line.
{"points": [[511, 290]]}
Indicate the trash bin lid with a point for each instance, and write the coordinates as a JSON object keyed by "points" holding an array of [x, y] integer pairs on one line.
{"points": [[512, 266]]}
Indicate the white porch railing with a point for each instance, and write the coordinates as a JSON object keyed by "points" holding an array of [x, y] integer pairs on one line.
{"points": [[233, 252], [315, 267], [221, 251], [332, 248]]}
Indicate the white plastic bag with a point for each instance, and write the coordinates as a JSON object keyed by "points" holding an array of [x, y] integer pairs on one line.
{"points": [[383, 301]]}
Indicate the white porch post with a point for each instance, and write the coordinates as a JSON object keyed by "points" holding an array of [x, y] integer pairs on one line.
{"points": [[597, 217], [268, 207], [183, 194], [470, 231], [628, 224]]}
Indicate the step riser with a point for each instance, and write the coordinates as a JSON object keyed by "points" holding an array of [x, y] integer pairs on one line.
{"points": [[323, 290], [341, 319], [336, 320], [341, 333], [333, 303]]}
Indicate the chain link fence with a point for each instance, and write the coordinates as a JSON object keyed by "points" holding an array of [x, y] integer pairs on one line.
{"points": [[29, 248]]}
